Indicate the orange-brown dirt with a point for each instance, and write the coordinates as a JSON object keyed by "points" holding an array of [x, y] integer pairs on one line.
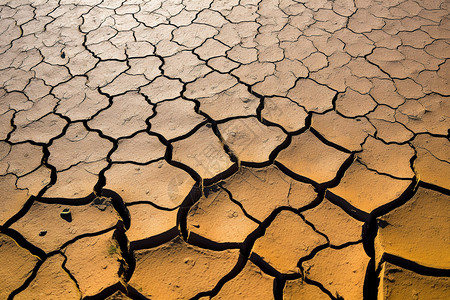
{"points": [[225, 149]]}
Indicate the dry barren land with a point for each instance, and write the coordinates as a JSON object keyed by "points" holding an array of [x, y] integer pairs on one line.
{"points": [[229, 149]]}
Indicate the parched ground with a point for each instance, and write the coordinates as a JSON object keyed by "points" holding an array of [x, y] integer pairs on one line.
{"points": [[229, 149]]}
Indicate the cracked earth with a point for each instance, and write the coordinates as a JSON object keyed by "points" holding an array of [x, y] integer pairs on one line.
{"points": [[234, 149]]}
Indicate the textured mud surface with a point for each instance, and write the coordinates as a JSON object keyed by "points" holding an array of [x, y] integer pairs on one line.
{"points": [[234, 149]]}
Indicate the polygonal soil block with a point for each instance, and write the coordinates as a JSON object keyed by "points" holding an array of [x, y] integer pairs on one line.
{"points": [[367, 190], [217, 218], [418, 230], [95, 262], [179, 270], [286, 241], [46, 226], [340, 271], [203, 152], [17, 264], [308, 157], [158, 183], [249, 140], [249, 282], [397, 283], [261, 190], [51, 282]]}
